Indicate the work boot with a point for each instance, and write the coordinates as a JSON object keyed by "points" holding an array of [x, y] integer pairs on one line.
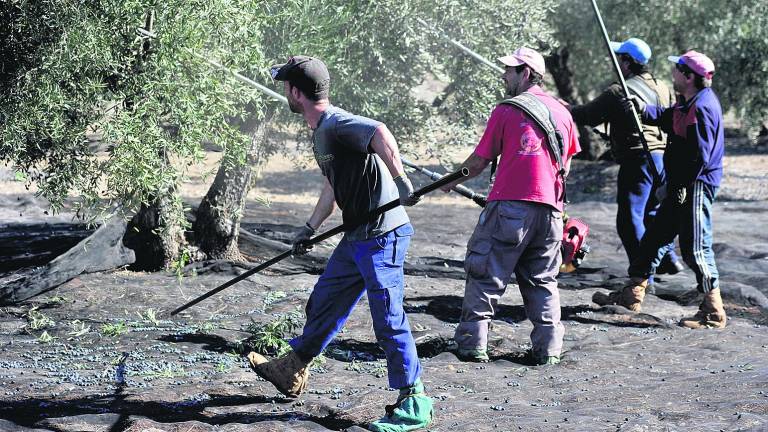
{"points": [[289, 373], [711, 313], [476, 355], [631, 296], [411, 411], [667, 266]]}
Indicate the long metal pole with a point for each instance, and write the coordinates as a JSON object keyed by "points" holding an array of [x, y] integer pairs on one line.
{"points": [[330, 233], [244, 79], [460, 46], [636, 122], [462, 190]]}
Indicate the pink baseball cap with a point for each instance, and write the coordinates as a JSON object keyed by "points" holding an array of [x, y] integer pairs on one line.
{"points": [[526, 56], [698, 62]]}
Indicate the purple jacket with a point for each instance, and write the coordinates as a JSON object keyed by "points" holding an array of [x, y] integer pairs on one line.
{"points": [[697, 143]]}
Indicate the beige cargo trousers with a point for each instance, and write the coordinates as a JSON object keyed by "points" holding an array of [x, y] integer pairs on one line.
{"points": [[517, 237]]}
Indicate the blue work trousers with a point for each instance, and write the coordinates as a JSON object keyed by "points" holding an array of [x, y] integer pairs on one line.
{"points": [[692, 222], [637, 204], [374, 266]]}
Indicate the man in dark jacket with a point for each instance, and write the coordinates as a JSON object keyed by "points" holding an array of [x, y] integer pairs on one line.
{"points": [[694, 160], [635, 189]]}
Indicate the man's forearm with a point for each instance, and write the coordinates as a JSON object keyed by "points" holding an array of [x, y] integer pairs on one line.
{"points": [[385, 146], [323, 208], [475, 164]]}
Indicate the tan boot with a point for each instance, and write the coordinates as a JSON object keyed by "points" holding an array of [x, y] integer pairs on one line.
{"points": [[631, 296], [289, 373], [711, 313]]}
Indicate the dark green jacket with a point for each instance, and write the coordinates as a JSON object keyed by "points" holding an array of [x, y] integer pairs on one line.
{"points": [[606, 108]]}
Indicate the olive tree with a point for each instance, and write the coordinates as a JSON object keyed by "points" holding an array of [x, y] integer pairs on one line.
{"points": [[137, 74], [126, 71]]}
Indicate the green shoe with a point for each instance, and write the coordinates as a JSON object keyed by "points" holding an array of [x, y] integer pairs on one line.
{"points": [[541, 360], [411, 411], [472, 355], [548, 360]]}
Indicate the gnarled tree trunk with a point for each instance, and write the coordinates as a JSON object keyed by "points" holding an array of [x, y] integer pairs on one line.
{"points": [[156, 232], [217, 221]]}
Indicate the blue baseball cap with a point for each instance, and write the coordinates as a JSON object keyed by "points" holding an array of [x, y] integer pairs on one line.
{"points": [[635, 48]]}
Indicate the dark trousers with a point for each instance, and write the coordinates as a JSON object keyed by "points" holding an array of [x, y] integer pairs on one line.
{"points": [[637, 203], [375, 267], [692, 222]]}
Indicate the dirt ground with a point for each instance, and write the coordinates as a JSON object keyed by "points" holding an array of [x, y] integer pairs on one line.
{"points": [[100, 353]]}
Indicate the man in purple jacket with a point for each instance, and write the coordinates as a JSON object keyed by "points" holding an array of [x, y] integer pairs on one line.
{"points": [[694, 162]]}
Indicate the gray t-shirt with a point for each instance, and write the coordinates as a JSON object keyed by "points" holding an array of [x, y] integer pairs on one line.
{"points": [[361, 181]]}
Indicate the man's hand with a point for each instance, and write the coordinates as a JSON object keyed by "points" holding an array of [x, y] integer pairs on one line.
{"points": [[627, 102], [405, 189], [676, 193], [299, 240], [679, 195]]}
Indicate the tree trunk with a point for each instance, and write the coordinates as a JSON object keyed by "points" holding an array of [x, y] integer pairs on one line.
{"points": [[156, 232], [217, 221], [102, 250], [447, 92], [592, 147]]}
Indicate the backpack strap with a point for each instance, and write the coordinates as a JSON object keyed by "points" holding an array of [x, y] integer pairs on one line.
{"points": [[540, 113], [638, 87]]}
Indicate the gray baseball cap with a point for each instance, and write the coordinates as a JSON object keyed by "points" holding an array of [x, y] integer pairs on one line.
{"points": [[307, 73]]}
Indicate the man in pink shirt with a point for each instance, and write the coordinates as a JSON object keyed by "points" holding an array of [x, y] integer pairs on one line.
{"points": [[520, 229]]}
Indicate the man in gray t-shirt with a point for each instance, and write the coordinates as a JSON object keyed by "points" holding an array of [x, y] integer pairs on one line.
{"points": [[361, 181], [361, 164]]}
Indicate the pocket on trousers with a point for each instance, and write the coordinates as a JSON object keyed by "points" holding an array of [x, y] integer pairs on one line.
{"points": [[511, 226], [555, 231], [476, 261], [380, 242]]}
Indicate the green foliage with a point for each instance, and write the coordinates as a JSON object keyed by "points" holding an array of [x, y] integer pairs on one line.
{"points": [[168, 372], [177, 266], [223, 366], [82, 71], [377, 53], [74, 72], [78, 329], [733, 33], [37, 320], [270, 338], [204, 327], [113, 329], [46, 338], [150, 316]]}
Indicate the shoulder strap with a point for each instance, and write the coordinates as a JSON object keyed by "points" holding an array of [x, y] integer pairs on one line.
{"points": [[541, 114], [641, 89]]}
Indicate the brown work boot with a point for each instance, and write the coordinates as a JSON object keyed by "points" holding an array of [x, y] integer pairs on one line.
{"points": [[289, 373], [711, 313], [631, 296]]}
